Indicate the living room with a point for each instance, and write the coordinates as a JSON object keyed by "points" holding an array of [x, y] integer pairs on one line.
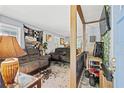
{"points": [[52, 50]]}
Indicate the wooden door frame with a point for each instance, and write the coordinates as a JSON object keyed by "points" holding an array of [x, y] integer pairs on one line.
{"points": [[74, 9]]}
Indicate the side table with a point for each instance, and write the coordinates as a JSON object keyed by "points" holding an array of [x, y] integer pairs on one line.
{"points": [[26, 81]]}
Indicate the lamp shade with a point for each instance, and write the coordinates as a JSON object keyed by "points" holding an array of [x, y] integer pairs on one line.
{"points": [[10, 48]]}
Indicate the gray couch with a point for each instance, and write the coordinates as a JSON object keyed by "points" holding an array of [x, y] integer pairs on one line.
{"points": [[33, 61], [61, 54]]}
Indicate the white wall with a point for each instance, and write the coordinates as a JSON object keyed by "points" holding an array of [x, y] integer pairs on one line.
{"points": [[54, 43], [92, 30]]}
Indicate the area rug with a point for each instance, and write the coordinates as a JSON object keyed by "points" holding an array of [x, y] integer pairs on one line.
{"points": [[56, 76]]}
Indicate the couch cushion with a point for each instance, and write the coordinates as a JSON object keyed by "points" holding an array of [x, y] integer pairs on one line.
{"points": [[32, 51], [23, 59], [32, 61], [29, 67]]}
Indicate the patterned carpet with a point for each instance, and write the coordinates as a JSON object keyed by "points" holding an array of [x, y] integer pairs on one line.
{"points": [[57, 76]]}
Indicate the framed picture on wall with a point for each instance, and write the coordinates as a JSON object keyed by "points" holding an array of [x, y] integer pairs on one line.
{"points": [[61, 41], [92, 38], [48, 37]]}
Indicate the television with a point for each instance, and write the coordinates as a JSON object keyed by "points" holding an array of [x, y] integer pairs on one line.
{"points": [[105, 20]]}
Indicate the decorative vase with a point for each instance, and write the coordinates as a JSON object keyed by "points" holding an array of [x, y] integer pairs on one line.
{"points": [[9, 69]]}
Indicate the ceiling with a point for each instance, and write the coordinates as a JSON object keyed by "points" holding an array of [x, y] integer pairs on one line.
{"points": [[52, 18], [92, 12]]}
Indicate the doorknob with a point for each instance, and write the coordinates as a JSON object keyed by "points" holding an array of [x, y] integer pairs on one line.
{"points": [[113, 67], [113, 59]]}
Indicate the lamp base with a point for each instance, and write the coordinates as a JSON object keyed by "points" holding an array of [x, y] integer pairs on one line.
{"points": [[9, 69]]}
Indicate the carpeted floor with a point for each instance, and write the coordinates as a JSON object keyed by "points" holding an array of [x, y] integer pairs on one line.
{"points": [[57, 76]]}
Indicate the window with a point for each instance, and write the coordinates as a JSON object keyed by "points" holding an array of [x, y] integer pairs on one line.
{"points": [[92, 38], [10, 30]]}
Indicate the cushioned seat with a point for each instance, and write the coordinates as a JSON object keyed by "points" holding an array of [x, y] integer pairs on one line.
{"points": [[33, 61]]}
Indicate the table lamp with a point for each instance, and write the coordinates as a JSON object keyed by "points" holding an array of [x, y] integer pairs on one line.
{"points": [[10, 51]]}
